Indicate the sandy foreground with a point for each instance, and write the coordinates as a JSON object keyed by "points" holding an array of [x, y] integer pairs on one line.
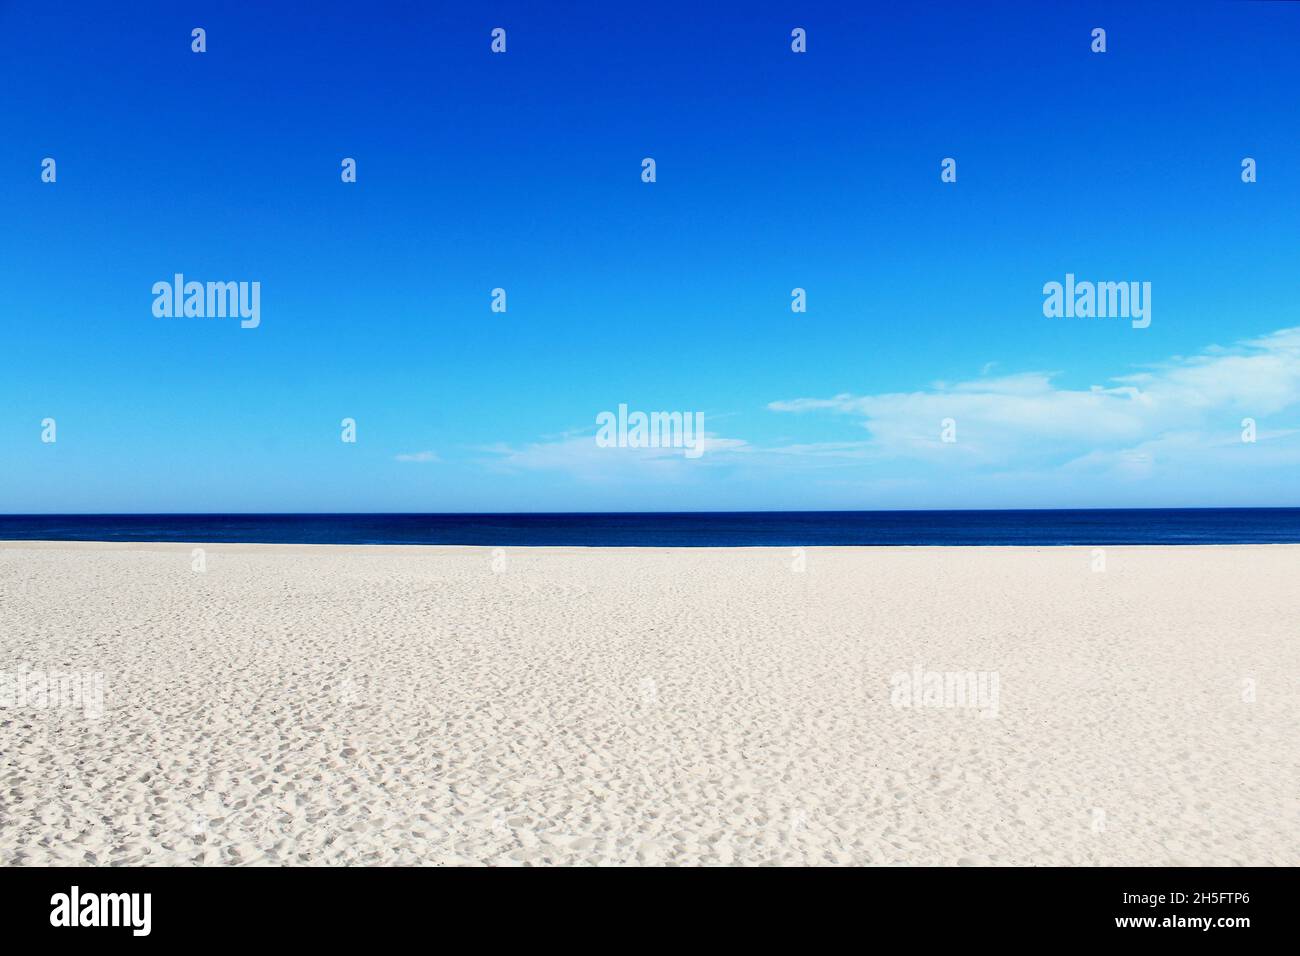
{"points": [[439, 705]]}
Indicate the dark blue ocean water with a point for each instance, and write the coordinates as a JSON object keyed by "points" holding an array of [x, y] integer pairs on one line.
{"points": [[698, 529]]}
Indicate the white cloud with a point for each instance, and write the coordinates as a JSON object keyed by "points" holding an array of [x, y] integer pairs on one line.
{"points": [[582, 457], [417, 456], [1163, 435], [1176, 410]]}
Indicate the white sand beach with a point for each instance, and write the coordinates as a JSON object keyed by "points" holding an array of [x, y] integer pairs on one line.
{"points": [[440, 705]]}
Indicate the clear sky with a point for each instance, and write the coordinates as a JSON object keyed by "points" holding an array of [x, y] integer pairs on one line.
{"points": [[522, 170]]}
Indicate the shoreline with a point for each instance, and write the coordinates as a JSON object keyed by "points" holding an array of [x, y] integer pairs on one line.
{"points": [[54, 543]]}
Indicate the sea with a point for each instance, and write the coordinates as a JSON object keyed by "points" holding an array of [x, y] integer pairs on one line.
{"points": [[1048, 528]]}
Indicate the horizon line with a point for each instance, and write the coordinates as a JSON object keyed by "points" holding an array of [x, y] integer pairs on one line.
{"points": [[507, 514]]}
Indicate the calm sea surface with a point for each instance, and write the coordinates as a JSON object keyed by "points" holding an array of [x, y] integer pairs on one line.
{"points": [[697, 529]]}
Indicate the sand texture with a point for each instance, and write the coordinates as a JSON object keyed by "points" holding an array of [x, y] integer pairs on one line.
{"points": [[438, 705]]}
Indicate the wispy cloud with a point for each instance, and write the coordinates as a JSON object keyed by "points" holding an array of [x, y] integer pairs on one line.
{"points": [[1165, 434], [580, 456], [1181, 408], [420, 456]]}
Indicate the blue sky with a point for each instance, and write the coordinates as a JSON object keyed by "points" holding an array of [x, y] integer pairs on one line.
{"points": [[775, 170]]}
